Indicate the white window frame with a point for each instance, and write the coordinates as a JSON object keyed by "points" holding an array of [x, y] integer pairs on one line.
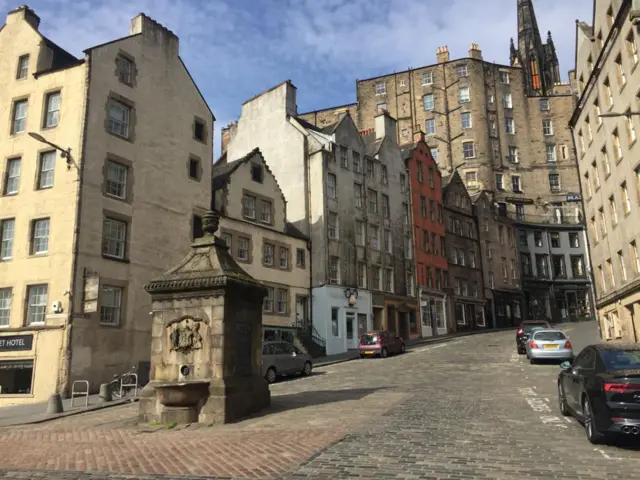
{"points": [[243, 248], [111, 311], [283, 256], [332, 185], [507, 100], [116, 180], [114, 238], [550, 153], [268, 252], [265, 211], [283, 295], [381, 88], [119, 119], [19, 117], [469, 153], [40, 229], [332, 225], [125, 70], [37, 304], [547, 127], [430, 126], [12, 182], [429, 105], [6, 295], [464, 95], [466, 120], [427, 78], [7, 237], [249, 207], [52, 111]]}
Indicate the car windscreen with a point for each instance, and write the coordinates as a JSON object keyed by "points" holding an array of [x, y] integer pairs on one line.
{"points": [[621, 359], [369, 339], [548, 336], [528, 327]]}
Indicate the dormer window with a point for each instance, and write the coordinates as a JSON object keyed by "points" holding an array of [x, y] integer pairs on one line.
{"points": [[23, 67], [256, 173]]}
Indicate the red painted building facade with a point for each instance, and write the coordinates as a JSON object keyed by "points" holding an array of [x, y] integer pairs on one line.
{"points": [[425, 182]]}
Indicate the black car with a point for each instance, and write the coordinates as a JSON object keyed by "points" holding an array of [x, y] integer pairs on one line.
{"points": [[524, 332], [602, 389]]}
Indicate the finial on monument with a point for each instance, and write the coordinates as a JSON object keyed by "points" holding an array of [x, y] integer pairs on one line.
{"points": [[210, 223]]}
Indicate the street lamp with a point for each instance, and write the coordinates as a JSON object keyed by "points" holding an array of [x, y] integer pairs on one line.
{"points": [[66, 154]]}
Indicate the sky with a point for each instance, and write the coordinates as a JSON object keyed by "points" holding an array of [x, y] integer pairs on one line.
{"points": [[236, 49]]}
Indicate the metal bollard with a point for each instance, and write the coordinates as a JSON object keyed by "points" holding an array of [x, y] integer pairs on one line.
{"points": [[54, 405], [105, 393]]}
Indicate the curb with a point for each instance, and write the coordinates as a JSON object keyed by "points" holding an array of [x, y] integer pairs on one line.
{"points": [[91, 408]]}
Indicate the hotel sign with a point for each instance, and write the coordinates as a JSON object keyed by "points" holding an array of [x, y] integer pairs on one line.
{"points": [[14, 343]]}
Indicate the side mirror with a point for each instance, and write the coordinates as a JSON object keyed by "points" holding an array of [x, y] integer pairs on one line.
{"points": [[566, 365]]}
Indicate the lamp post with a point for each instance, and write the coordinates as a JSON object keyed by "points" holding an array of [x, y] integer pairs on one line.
{"points": [[63, 379], [64, 153]]}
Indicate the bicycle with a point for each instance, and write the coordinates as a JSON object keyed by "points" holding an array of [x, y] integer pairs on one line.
{"points": [[122, 384]]}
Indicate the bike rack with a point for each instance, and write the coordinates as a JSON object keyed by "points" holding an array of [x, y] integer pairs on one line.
{"points": [[84, 394], [134, 385]]}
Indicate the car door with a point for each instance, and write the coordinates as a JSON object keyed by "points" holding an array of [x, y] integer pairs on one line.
{"points": [[282, 359], [581, 368], [291, 358]]}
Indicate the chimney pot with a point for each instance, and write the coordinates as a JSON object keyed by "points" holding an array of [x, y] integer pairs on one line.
{"points": [[418, 136], [475, 52], [442, 54]]}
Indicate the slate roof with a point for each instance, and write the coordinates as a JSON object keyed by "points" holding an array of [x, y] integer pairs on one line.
{"points": [[372, 145], [222, 173], [307, 125]]}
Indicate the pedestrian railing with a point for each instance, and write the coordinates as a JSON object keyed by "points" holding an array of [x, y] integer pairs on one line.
{"points": [[84, 393]]}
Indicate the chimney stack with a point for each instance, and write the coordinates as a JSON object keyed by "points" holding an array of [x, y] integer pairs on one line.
{"points": [[475, 52], [418, 136], [386, 126], [154, 31], [24, 13], [442, 54]]}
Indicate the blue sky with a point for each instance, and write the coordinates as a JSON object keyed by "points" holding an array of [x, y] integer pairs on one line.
{"points": [[238, 48]]}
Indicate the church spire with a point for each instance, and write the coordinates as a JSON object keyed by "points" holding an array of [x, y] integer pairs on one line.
{"points": [[537, 59]]}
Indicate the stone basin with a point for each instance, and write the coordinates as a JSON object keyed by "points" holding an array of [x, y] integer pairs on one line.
{"points": [[182, 394]]}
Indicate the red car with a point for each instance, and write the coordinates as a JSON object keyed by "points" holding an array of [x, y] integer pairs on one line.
{"points": [[524, 332], [380, 344]]}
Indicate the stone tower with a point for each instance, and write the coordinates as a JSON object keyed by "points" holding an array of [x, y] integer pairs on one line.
{"points": [[538, 60]]}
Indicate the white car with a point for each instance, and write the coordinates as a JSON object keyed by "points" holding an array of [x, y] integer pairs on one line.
{"points": [[549, 344]]}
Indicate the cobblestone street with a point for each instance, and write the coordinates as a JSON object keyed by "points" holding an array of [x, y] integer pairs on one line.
{"points": [[467, 408]]}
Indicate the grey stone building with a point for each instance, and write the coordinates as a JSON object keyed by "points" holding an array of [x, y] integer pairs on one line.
{"points": [[503, 127], [500, 264], [347, 192], [467, 301], [554, 267]]}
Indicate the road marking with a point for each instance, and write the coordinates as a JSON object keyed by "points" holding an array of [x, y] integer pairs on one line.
{"points": [[540, 405], [605, 455], [431, 347]]}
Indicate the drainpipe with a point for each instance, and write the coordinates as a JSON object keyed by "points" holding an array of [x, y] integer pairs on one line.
{"points": [[308, 213], [64, 382]]}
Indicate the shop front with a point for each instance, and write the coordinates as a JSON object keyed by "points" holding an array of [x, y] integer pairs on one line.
{"points": [[402, 317], [433, 316], [508, 307], [341, 315], [29, 365], [468, 315]]}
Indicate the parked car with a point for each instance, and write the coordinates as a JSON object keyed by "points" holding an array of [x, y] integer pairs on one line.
{"points": [[602, 389], [282, 358], [548, 344], [525, 329], [380, 344]]}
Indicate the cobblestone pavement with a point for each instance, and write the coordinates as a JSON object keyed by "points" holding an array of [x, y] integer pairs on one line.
{"points": [[469, 408]]}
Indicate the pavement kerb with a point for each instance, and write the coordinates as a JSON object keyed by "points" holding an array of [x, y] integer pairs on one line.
{"points": [[91, 408]]}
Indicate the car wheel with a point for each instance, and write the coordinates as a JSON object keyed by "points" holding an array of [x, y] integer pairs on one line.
{"points": [[562, 402], [306, 370], [532, 361], [384, 353], [590, 428], [270, 376], [403, 348]]}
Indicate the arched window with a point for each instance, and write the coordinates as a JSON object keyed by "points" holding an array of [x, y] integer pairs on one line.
{"points": [[535, 75]]}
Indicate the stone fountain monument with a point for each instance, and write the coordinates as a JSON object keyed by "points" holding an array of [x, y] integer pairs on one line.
{"points": [[206, 346]]}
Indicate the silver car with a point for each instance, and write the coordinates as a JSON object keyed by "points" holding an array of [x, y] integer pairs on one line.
{"points": [[282, 358], [549, 344]]}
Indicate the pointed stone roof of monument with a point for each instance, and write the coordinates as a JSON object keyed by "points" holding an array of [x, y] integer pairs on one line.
{"points": [[208, 266]]}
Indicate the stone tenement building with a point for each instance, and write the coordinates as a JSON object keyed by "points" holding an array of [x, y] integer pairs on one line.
{"points": [[349, 194], [254, 224], [605, 126], [105, 159], [428, 233], [504, 126], [462, 245]]}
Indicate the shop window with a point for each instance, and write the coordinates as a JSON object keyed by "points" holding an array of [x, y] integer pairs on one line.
{"points": [[16, 377]]}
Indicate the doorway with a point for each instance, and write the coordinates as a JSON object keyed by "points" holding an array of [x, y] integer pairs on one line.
{"points": [[362, 324], [403, 325], [351, 331]]}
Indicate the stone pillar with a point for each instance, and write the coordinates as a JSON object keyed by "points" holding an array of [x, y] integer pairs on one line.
{"points": [[206, 346]]}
